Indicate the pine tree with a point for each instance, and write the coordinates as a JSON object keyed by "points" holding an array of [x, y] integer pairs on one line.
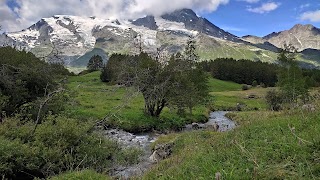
{"points": [[95, 63]]}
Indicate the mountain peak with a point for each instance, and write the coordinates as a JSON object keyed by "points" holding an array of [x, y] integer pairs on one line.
{"points": [[303, 27]]}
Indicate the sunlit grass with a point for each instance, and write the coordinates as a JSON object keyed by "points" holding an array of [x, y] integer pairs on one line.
{"points": [[267, 145], [124, 107]]}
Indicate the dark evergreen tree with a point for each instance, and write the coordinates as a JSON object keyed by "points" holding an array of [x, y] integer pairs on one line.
{"points": [[95, 63]]}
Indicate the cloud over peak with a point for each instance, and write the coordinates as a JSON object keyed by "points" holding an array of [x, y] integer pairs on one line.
{"points": [[28, 12], [313, 16], [265, 8]]}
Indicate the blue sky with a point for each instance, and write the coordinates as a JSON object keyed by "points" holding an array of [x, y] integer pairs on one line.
{"points": [[237, 19], [240, 17]]}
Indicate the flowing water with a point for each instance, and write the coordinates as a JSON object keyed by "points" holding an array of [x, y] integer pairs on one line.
{"points": [[217, 119]]}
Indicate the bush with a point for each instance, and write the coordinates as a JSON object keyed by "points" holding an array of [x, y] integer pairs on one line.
{"points": [[274, 100], [58, 145], [24, 78], [254, 83], [245, 87]]}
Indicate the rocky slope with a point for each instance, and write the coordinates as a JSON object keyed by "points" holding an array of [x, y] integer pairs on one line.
{"points": [[300, 36]]}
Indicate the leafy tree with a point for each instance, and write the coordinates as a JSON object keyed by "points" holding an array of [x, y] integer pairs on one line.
{"points": [[95, 63], [291, 81], [151, 80], [180, 83], [189, 87]]}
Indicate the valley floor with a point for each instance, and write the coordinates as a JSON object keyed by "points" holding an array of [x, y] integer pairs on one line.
{"points": [[264, 145]]}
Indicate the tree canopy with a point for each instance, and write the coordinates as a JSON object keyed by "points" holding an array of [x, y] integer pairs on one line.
{"points": [[179, 84]]}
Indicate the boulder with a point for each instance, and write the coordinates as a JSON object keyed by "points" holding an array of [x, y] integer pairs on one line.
{"points": [[214, 127], [161, 151], [309, 107], [195, 126]]}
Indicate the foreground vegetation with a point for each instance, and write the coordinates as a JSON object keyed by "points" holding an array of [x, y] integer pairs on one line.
{"points": [[265, 145], [37, 139]]}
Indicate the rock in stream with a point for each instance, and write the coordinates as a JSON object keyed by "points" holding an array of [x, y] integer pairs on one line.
{"points": [[126, 139]]}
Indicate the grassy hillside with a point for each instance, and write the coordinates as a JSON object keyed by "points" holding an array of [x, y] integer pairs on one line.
{"points": [[216, 85], [266, 145]]}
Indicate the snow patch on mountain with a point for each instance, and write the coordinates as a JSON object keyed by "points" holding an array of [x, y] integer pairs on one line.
{"points": [[166, 25], [28, 36]]}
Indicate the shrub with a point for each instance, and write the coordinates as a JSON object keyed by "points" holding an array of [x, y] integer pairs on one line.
{"points": [[58, 145], [245, 87], [274, 100], [24, 78], [254, 83]]}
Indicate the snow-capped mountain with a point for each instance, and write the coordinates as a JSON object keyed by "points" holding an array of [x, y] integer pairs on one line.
{"points": [[72, 37]]}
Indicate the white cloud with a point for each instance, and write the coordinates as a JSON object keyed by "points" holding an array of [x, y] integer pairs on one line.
{"points": [[303, 6], [230, 28], [30, 11], [265, 8], [7, 17], [313, 16], [250, 1]]}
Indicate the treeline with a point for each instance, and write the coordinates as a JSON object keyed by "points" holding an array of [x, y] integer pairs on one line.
{"points": [[312, 77], [250, 72]]}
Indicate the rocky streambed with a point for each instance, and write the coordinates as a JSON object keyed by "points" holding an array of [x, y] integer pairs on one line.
{"points": [[217, 122]]}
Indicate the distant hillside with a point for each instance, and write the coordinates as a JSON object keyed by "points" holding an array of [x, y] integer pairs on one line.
{"points": [[83, 60]]}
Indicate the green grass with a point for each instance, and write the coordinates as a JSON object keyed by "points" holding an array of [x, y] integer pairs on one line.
{"points": [[81, 175], [267, 145], [228, 100], [95, 100], [216, 85]]}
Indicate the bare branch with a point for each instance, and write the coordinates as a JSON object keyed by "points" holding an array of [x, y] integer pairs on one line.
{"points": [[48, 97]]}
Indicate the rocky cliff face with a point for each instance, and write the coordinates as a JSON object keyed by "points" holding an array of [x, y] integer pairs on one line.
{"points": [[300, 36]]}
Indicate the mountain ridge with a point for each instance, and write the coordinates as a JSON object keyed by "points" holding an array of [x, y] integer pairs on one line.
{"points": [[74, 36], [300, 36]]}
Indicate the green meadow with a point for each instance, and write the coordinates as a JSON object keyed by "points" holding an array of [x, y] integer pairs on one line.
{"points": [[264, 145]]}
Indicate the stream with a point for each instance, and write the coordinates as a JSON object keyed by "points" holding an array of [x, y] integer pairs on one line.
{"points": [[217, 121]]}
